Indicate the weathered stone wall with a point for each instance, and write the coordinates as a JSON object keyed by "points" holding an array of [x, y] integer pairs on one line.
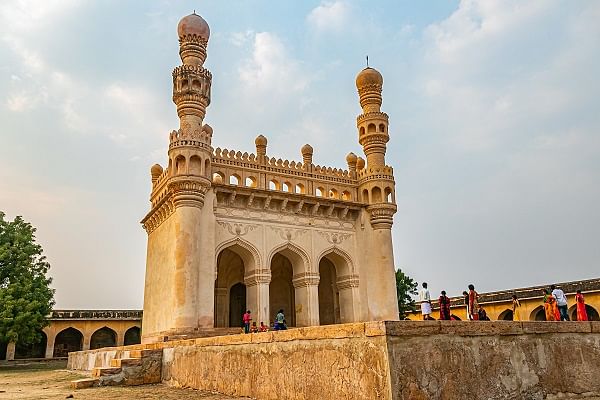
{"points": [[391, 360], [493, 360]]}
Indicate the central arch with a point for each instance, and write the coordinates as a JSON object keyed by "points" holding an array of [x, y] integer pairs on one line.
{"points": [[289, 264], [103, 337]]}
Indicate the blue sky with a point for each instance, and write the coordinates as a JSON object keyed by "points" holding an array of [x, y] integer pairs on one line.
{"points": [[494, 124]]}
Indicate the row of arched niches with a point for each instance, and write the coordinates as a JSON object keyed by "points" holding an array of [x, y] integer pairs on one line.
{"points": [[72, 339]]}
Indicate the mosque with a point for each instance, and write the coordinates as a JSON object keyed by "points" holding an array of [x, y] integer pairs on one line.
{"points": [[231, 230]]}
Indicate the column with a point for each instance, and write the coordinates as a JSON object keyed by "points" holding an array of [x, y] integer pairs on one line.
{"points": [[257, 295], [10, 351], [120, 338], [221, 311], [87, 337], [348, 297], [307, 299], [50, 344]]}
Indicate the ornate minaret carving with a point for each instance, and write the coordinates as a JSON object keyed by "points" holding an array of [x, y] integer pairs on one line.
{"points": [[190, 146], [376, 180]]}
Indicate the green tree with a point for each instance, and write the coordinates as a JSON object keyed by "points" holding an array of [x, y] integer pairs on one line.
{"points": [[405, 289], [25, 296]]}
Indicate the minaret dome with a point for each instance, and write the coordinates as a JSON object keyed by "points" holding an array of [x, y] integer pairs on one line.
{"points": [[193, 24]]}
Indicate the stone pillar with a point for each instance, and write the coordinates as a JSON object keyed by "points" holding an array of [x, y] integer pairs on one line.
{"points": [[221, 309], [348, 298], [50, 344], [257, 295], [10, 351], [307, 299], [87, 338], [121, 338]]}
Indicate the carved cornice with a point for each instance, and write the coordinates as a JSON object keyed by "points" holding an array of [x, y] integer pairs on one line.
{"points": [[305, 279], [159, 213], [347, 282], [237, 229], [334, 238], [382, 215], [374, 115]]}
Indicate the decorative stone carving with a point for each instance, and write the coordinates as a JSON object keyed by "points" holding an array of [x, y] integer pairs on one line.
{"points": [[334, 237], [347, 282], [306, 279], [382, 215], [237, 229], [288, 234]]}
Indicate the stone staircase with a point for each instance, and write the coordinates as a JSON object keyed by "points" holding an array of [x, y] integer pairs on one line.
{"points": [[139, 368]]}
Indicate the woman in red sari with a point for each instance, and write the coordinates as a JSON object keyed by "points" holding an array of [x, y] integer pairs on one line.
{"points": [[444, 303], [550, 307], [581, 311], [473, 303]]}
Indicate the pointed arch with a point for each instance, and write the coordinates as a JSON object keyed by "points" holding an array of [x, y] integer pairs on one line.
{"points": [[103, 337], [246, 251], [295, 254], [339, 257]]}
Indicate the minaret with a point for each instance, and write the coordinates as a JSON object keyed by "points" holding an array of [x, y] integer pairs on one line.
{"points": [[179, 241], [377, 189]]}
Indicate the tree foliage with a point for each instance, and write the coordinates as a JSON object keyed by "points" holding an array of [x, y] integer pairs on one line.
{"points": [[405, 289], [25, 296]]}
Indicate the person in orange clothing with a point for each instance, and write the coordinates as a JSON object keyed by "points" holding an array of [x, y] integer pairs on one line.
{"points": [[581, 311]]}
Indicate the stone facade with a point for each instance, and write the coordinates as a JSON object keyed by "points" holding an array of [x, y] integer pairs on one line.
{"points": [[231, 230], [384, 360]]}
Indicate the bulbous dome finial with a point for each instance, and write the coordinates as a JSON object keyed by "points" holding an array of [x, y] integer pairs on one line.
{"points": [[260, 140], [360, 163], [369, 76], [351, 158], [193, 24], [306, 149]]}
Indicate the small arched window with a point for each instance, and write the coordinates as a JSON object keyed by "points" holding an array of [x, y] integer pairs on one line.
{"points": [[234, 179], [362, 130], [365, 196], [218, 177], [287, 187], [251, 181], [300, 188], [376, 195], [319, 192], [381, 128], [389, 197], [346, 195], [371, 128], [274, 185], [333, 194]]}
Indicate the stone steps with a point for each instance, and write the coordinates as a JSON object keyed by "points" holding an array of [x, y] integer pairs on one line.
{"points": [[141, 367]]}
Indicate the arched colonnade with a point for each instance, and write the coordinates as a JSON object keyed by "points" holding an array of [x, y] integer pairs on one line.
{"points": [[311, 292]]}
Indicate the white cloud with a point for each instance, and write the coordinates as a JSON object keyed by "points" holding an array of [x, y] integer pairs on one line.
{"points": [[271, 68], [329, 16], [239, 39]]}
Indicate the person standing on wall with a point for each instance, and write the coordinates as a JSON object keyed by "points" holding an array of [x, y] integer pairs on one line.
{"points": [[444, 303], [466, 301], [425, 299], [247, 318], [561, 302], [473, 303], [581, 310], [516, 305]]}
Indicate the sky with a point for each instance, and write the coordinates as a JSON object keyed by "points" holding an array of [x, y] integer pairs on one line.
{"points": [[494, 126]]}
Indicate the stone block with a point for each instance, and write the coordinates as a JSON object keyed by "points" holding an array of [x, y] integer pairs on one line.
{"points": [[125, 362], [478, 328], [102, 371], [375, 328], [412, 328], [542, 327], [595, 326], [84, 383]]}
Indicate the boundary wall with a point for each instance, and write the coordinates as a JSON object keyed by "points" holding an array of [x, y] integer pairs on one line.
{"points": [[385, 360]]}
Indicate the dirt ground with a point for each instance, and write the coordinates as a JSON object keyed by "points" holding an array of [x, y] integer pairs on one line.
{"points": [[49, 380]]}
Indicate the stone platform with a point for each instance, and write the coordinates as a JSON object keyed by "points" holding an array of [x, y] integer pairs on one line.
{"points": [[385, 360]]}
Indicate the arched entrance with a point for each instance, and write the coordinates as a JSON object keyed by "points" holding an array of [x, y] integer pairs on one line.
{"points": [[230, 290], [591, 313], [237, 304], [67, 340], [282, 294], [337, 288], [538, 314], [329, 295], [506, 315], [35, 350], [103, 337], [132, 336]]}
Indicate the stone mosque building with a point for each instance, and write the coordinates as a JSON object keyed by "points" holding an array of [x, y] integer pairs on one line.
{"points": [[230, 230]]}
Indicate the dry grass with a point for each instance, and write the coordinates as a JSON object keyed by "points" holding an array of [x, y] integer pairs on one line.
{"points": [[49, 380]]}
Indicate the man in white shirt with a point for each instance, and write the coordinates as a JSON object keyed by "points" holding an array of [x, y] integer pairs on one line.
{"points": [[561, 302], [425, 299]]}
